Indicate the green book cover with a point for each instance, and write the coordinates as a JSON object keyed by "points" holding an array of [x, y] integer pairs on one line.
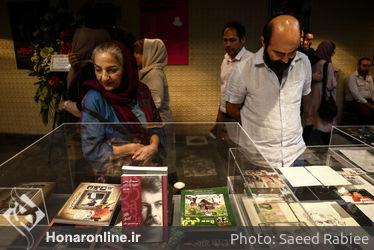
{"points": [[206, 207]]}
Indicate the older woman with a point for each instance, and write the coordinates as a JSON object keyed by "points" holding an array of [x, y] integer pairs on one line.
{"points": [[312, 102], [117, 96], [151, 58]]}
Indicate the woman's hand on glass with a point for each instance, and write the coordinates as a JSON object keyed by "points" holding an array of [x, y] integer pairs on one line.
{"points": [[125, 149], [145, 153]]}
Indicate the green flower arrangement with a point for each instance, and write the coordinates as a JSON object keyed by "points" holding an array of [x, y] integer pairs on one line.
{"points": [[51, 85], [53, 35]]}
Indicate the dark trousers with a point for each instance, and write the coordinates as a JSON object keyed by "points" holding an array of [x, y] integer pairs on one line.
{"points": [[315, 137], [366, 115]]}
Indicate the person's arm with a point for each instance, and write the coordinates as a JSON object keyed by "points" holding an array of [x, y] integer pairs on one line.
{"points": [[371, 87], [309, 77], [74, 60], [331, 80], [234, 110], [146, 152], [125, 149], [71, 107], [95, 145], [235, 94], [99, 147]]}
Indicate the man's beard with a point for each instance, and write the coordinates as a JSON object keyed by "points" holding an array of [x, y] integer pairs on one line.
{"points": [[363, 73], [278, 66], [151, 221]]}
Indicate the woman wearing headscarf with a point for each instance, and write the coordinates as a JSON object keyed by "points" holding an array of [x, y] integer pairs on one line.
{"points": [[151, 57], [312, 102], [116, 95], [85, 39]]}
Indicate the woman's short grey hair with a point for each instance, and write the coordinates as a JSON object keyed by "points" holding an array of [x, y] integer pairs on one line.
{"points": [[111, 48]]}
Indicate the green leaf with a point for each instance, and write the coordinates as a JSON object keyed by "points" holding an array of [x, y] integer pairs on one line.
{"points": [[46, 51]]}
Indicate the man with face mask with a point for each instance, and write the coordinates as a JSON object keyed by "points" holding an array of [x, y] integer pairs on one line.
{"points": [[360, 92], [271, 84]]}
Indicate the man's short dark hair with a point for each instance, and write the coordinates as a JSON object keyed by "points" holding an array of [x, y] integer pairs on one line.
{"points": [[240, 30], [268, 28], [363, 58], [306, 31], [152, 184]]}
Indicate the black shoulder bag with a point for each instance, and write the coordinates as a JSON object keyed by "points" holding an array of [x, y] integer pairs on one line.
{"points": [[328, 108]]}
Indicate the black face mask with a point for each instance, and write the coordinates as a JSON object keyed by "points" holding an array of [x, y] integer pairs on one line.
{"points": [[277, 66]]}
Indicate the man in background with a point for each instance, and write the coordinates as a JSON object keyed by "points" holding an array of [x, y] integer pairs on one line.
{"points": [[233, 40], [264, 92], [360, 92], [305, 45]]}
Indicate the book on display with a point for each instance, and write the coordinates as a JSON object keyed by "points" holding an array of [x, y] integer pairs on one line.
{"points": [[90, 204]]}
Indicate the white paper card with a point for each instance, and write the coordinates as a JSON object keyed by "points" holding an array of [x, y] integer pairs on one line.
{"points": [[368, 210], [327, 176], [60, 63], [299, 177]]}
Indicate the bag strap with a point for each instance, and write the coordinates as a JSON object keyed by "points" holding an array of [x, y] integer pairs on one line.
{"points": [[324, 80], [102, 119]]}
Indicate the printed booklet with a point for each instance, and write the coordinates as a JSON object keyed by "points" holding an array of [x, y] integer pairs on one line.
{"points": [[90, 204], [206, 207]]}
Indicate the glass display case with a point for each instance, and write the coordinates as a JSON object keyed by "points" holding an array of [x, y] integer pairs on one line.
{"points": [[337, 183], [259, 195], [76, 153], [355, 144], [346, 135]]}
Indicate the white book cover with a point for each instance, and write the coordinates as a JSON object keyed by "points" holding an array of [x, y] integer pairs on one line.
{"points": [[299, 177], [327, 176], [141, 168]]}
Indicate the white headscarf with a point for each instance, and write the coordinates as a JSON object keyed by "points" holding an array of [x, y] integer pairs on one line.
{"points": [[155, 56]]}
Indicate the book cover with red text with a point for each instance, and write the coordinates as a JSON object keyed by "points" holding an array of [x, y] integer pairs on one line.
{"points": [[144, 196]]}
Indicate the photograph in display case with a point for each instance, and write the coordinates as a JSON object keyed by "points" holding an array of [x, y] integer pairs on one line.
{"points": [[206, 207], [353, 171], [353, 179], [328, 213], [90, 204], [274, 209], [355, 195], [262, 178]]}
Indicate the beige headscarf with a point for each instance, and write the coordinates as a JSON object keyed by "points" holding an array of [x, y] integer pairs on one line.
{"points": [[154, 56]]}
